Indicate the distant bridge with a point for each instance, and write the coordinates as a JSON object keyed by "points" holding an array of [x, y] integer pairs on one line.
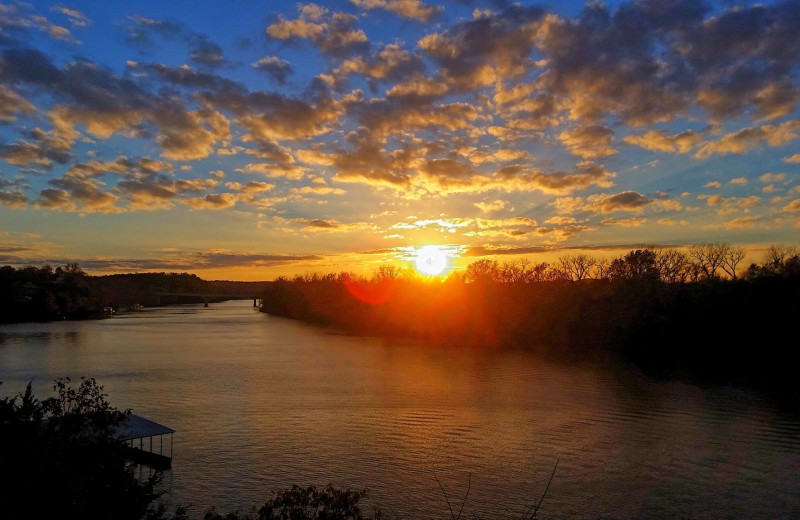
{"points": [[213, 296]]}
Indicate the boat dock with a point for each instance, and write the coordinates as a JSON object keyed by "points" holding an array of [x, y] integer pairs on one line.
{"points": [[137, 428]]}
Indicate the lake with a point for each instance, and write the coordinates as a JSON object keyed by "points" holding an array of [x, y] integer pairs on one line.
{"points": [[260, 403]]}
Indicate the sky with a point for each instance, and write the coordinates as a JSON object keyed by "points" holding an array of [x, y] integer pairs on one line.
{"points": [[248, 140]]}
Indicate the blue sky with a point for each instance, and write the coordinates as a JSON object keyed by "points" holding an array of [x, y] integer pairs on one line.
{"points": [[251, 139]]}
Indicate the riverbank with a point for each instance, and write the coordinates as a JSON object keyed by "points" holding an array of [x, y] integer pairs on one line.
{"points": [[42, 294], [729, 331]]}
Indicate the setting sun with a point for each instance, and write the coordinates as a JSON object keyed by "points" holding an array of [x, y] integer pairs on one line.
{"points": [[431, 260]]}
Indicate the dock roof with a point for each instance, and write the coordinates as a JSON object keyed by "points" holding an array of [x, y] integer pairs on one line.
{"points": [[137, 427]]}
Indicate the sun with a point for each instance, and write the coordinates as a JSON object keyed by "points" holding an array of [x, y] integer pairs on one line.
{"points": [[430, 260]]}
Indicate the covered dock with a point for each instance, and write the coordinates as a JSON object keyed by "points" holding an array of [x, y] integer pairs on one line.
{"points": [[137, 428]]}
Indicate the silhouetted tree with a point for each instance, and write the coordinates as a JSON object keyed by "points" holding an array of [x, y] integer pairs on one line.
{"points": [[388, 272], [709, 258], [636, 265], [673, 266], [576, 267], [731, 259], [483, 271]]}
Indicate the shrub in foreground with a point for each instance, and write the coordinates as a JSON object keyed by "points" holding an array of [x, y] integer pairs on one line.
{"points": [[60, 459]]}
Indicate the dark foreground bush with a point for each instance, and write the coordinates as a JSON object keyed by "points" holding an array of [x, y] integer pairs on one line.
{"points": [[306, 503]]}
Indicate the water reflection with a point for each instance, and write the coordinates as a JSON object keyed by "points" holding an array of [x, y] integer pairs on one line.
{"points": [[261, 403], [38, 338]]}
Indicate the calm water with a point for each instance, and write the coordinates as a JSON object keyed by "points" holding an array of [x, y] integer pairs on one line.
{"points": [[261, 403]]}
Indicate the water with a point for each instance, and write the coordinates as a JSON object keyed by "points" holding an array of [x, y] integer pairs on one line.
{"points": [[261, 403]]}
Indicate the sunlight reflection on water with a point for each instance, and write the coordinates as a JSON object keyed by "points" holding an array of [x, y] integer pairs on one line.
{"points": [[261, 403]]}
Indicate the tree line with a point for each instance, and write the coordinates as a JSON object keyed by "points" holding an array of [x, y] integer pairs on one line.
{"points": [[708, 261], [46, 293], [698, 313], [702, 262]]}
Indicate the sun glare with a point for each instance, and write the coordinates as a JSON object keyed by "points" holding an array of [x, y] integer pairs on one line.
{"points": [[431, 260]]}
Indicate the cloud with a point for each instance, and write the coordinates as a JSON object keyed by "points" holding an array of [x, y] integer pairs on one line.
{"points": [[330, 225], [589, 141], [792, 207], [477, 106], [742, 222], [630, 201], [272, 170], [477, 52], [13, 199], [317, 190], [391, 63], [441, 224], [334, 34], [205, 52], [672, 222], [148, 188], [144, 183], [383, 118], [269, 116], [728, 205], [275, 68], [211, 201], [624, 222], [108, 104], [772, 177], [75, 17], [194, 137], [490, 207], [560, 182], [12, 104], [660, 141], [224, 258], [202, 50], [411, 9], [739, 181], [81, 188], [561, 220], [174, 261], [39, 153], [792, 159], [250, 188], [746, 139], [505, 223], [712, 184], [19, 18], [404, 171]]}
